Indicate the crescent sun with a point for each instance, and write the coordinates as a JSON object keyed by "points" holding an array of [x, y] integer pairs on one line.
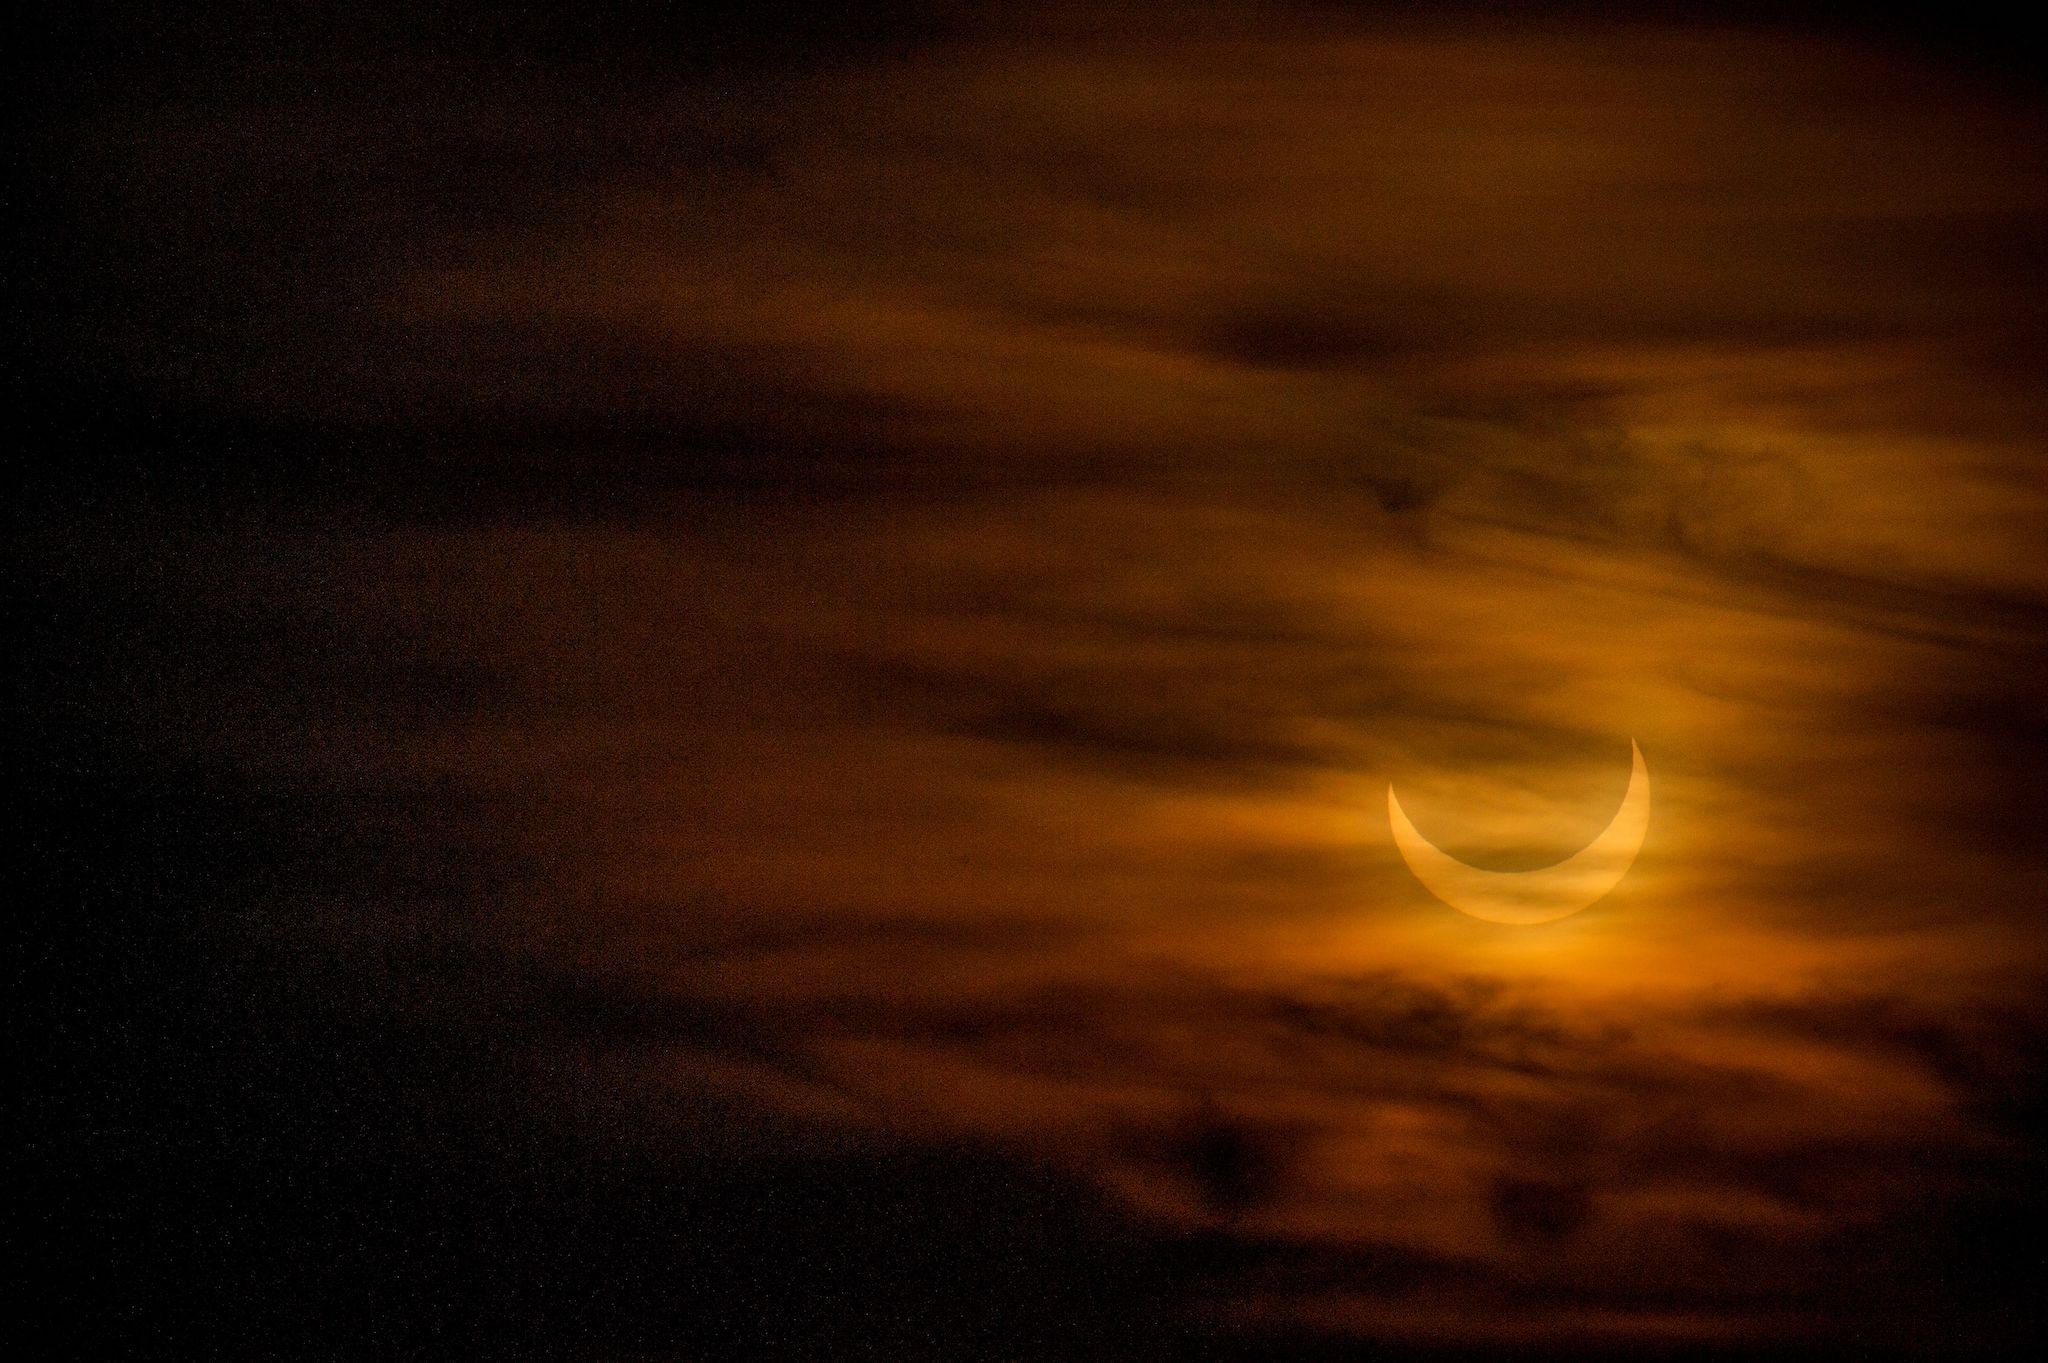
{"points": [[1539, 896]]}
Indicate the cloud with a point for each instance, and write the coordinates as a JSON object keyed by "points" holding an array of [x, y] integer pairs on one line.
{"points": [[836, 642]]}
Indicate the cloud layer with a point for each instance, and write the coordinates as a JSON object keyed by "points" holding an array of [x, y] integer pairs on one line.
{"points": [[872, 608]]}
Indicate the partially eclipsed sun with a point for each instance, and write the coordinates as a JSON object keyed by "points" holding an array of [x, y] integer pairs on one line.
{"points": [[1539, 896]]}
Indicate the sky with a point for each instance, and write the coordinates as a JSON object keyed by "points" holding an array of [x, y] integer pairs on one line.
{"points": [[724, 687]]}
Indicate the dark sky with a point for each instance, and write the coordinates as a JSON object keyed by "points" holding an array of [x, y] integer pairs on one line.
{"points": [[722, 687]]}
